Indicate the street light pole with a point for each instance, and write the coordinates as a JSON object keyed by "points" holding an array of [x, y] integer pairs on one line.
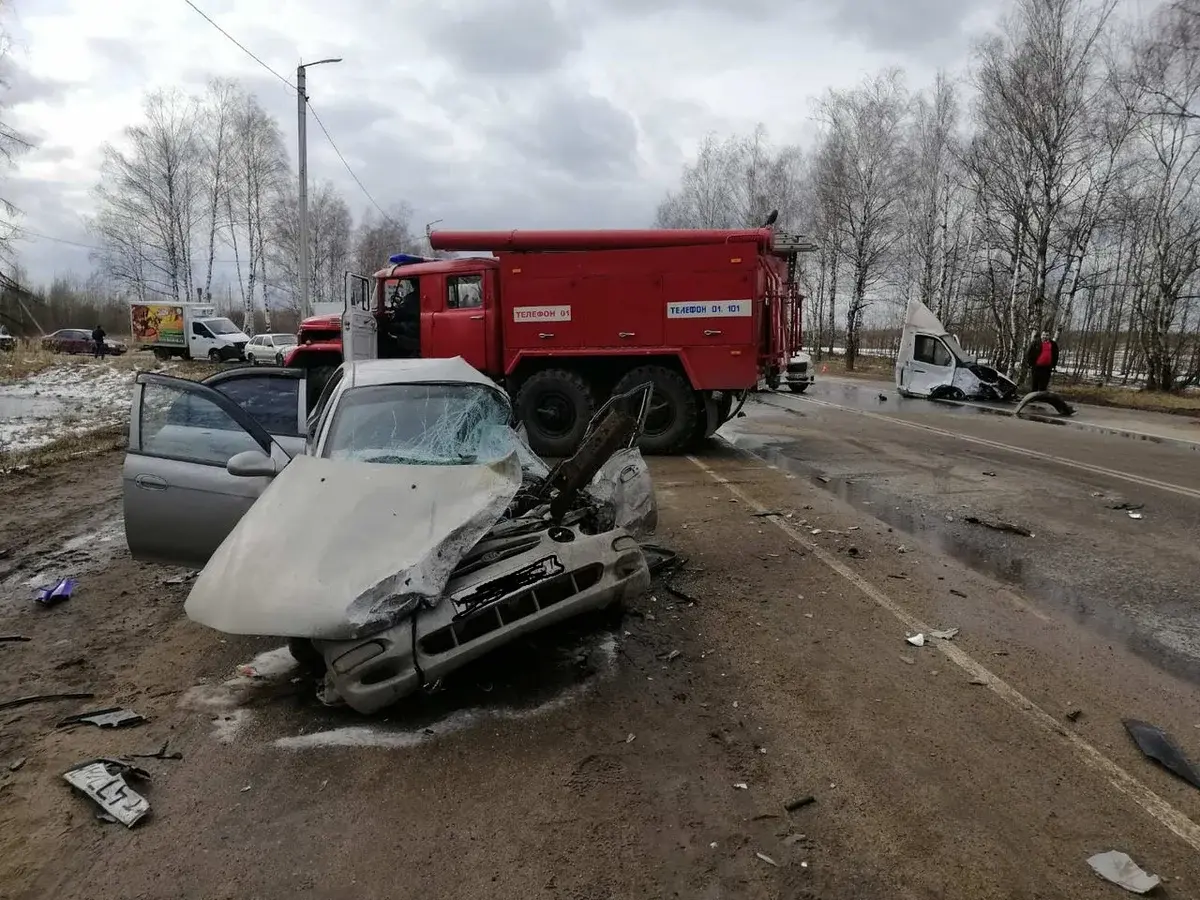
{"points": [[302, 136]]}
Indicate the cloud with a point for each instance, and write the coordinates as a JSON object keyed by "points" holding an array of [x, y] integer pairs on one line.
{"points": [[910, 26], [503, 37]]}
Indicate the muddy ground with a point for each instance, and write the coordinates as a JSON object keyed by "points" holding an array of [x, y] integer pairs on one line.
{"points": [[596, 762]]}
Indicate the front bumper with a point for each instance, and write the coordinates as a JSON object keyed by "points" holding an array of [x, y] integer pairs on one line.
{"points": [[798, 374], [232, 352], [554, 579]]}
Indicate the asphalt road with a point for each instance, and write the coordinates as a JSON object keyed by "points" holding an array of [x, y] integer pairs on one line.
{"points": [[654, 755]]}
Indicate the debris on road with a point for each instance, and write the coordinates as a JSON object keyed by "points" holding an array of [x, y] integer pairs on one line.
{"points": [[800, 803], [630, 738], [1118, 868], [995, 525], [13, 639], [674, 654], [945, 634], [978, 681], [908, 660], [1157, 745], [1074, 713], [958, 593], [160, 753], [112, 717], [917, 640], [1136, 515], [56, 593], [1125, 505], [990, 474], [741, 786], [104, 781], [44, 698], [767, 859], [181, 579], [17, 764]]}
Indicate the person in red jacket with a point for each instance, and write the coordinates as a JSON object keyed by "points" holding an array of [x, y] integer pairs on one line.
{"points": [[1042, 359]]}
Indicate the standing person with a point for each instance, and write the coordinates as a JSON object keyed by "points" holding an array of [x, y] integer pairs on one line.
{"points": [[1042, 359], [98, 340]]}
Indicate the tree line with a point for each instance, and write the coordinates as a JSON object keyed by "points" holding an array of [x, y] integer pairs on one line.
{"points": [[198, 201], [1054, 188]]}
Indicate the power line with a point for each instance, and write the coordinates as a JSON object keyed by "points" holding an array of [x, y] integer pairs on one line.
{"points": [[238, 44], [311, 108], [329, 138]]}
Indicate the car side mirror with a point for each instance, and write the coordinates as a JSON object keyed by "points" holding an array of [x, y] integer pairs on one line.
{"points": [[251, 464]]}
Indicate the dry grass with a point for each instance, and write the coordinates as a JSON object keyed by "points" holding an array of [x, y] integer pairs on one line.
{"points": [[868, 368], [73, 447], [29, 359], [1132, 398]]}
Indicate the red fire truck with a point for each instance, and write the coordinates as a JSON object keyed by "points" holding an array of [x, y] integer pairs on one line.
{"points": [[564, 319]]}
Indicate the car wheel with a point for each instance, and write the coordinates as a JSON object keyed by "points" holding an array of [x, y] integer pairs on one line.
{"points": [[798, 388], [671, 421], [214, 356], [556, 406]]}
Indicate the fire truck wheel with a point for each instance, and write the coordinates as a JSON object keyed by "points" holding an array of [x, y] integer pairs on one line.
{"points": [[671, 422], [556, 406]]}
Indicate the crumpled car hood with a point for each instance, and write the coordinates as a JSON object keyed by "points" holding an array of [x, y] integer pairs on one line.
{"points": [[337, 549]]}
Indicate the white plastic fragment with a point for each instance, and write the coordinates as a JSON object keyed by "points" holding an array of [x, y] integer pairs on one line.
{"points": [[1135, 515], [630, 738], [741, 786], [767, 859], [917, 640], [103, 781], [944, 634], [1118, 868]]}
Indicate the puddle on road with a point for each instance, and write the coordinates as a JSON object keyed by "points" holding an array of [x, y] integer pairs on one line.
{"points": [[1161, 631], [532, 677]]}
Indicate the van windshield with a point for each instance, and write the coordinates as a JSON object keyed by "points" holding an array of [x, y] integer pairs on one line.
{"points": [[221, 326]]}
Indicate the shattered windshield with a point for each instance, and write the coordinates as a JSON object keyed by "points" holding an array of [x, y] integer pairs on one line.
{"points": [[421, 424]]}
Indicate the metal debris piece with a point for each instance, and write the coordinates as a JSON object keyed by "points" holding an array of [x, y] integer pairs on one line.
{"points": [[13, 639], [824, 479], [1118, 868], [17, 764], [1007, 527], [990, 474], [57, 592], [1125, 505], [800, 803], [944, 634], [630, 738], [1135, 515], [767, 859], [672, 655], [741, 786], [1074, 713], [112, 717], [1157, 745], [44, 698], [917, 640], [160, 753], [104, 781], [958, 593]]}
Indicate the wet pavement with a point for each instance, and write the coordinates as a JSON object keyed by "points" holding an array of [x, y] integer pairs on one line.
{"points": [[1129, 579]]}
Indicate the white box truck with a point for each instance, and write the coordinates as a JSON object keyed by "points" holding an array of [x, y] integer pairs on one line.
{"points": [[189, 330]]}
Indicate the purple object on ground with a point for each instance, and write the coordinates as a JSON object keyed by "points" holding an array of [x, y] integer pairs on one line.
{"points": [[48, 596]]}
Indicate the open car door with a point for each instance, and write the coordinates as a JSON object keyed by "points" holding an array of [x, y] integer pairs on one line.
{"points": [[276, 398], [360, 339], [180, 499]]}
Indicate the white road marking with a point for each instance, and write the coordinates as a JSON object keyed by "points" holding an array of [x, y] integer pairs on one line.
{"points": [[1156, 806], [996, 445]]}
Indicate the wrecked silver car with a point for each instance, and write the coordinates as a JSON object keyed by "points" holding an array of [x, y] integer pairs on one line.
{"points": [[418, 531], [932, 364]]}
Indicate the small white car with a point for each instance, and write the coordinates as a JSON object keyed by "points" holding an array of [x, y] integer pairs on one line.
{"points": [[269, 349], [799, 374]]}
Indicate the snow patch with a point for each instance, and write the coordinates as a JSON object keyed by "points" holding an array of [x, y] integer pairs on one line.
{"points": [[226, 699], [60, 402]]}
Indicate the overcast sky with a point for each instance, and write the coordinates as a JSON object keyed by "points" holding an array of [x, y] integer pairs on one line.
{"points": [[483, 113]]}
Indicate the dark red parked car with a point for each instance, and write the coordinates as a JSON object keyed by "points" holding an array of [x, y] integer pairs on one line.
{"points": [[78, 340]]}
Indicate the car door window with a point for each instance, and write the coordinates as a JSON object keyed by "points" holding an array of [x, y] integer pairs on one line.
{"points": [[199, 330], [180, 424], [931, 351], [271, 400], [464, 292], [318, 411]]}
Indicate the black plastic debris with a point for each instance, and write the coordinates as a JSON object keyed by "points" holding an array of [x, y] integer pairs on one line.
{"points": [[1157, 745], [112, 717], [13, 639], [800, 803], [998, 526], [160, 753], [1125, 505], [44, 698]]}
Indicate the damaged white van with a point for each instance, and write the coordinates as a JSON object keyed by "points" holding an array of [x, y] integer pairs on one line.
{"points": [[931, 364]]}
